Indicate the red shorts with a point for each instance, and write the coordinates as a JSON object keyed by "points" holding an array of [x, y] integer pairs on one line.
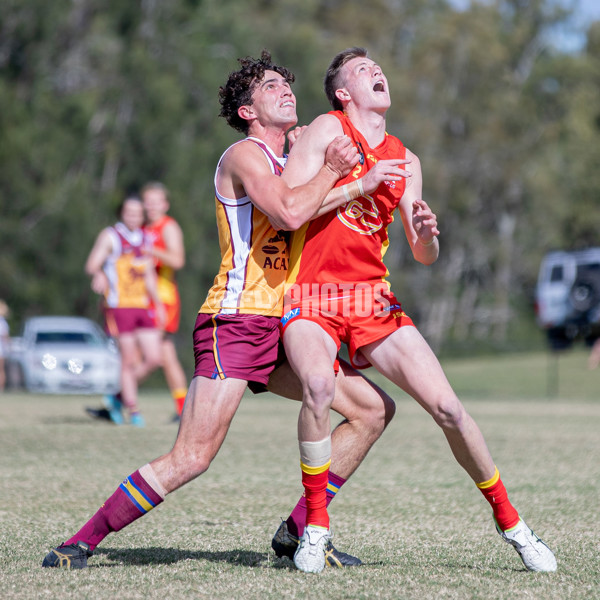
{"points": [[240, 346], [173, 316], [357, 318], [127, 320]]}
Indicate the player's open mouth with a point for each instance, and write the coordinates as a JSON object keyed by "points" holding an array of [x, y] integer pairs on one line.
{"points": [[379, 87], [287, 104]]}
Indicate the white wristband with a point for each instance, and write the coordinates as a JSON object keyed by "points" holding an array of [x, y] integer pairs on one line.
{"points": [[353, 190], [346, 194]]}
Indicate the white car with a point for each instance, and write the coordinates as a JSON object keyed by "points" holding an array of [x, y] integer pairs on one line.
{"points": [[567, 296], [66, 355]]}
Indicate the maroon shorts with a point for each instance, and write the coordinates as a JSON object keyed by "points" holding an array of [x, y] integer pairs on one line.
{"points": [[127, 320], [244, 347]]}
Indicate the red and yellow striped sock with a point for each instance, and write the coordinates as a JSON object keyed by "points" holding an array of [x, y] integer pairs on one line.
{"points": [[495, 493], [297, 518], [179, 399], [314, 480]]}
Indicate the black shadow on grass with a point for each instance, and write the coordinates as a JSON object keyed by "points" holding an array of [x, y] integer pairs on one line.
{"points": [[74, 420], [166, 556]]}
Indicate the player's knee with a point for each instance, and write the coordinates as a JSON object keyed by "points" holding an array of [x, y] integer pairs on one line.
{"points": [[449, 413], [377, 417], [193, 463], [389, 410], [319, 390], [154, 362], [129, 361]]}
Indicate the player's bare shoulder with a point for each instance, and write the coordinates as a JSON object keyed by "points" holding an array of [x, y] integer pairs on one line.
{"points": [[238, 154], [326, 126], [240, 161], [307, 154]]}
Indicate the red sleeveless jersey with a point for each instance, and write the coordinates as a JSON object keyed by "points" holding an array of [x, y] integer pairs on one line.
{"points": [[166, 283], [348, 244], [155, 232]]}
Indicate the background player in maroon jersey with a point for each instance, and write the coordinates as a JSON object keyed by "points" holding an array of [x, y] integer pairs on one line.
{"points": [[120, 270]]}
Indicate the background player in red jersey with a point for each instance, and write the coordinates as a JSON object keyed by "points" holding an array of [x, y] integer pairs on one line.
{"points": [[169, 256], [120, 270], [341, 254]]}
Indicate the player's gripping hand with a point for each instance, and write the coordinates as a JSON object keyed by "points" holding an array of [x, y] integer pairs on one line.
{"points": [[294, 134], [385, 170], [341, 155]]}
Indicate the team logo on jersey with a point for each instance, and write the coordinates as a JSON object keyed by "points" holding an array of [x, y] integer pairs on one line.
{"points": [[361, 154], [276, 244], [361, 215]]}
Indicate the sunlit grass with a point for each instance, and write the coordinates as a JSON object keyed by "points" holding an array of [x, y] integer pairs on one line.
{"points": [[410, 513]]}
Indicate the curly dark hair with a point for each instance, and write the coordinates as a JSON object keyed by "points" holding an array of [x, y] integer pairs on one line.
{"points": [[240, 85]]}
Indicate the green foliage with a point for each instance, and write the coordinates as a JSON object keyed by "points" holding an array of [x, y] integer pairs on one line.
{"points": [[96, 98]]}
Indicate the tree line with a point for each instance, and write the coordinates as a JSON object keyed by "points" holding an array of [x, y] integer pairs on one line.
{"points": [[99, 97]]}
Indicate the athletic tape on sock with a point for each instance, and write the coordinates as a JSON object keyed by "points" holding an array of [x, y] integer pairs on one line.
{"points": [[315, 454], [147, 472]]}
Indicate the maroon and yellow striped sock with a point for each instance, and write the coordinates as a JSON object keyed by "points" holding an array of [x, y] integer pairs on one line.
{"points": [[495, 493], [136, 496]]}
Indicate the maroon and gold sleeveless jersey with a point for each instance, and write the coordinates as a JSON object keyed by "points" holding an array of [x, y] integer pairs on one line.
{"points": [[348, 244], [254, 257], [126, 267]]}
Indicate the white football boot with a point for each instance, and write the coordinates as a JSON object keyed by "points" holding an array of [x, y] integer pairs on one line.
{"points": [[310, 555], [536, 556]]}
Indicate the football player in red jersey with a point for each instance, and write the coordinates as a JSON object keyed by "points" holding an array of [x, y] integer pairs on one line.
{"points": [[168, 253], [338, 293]]}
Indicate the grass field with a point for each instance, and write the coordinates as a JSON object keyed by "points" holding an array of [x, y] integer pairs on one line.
{"points": [[411, 514]]}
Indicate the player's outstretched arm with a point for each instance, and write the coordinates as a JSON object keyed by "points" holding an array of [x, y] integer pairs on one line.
{"points": [[151, 280], [384, 170], [419, 221]]}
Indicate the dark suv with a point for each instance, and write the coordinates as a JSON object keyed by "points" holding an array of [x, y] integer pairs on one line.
{"points": [[568, 296]]}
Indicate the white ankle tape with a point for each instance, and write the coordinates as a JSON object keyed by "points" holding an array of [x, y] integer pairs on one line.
{"points": [[147, 472], [315, 454]]}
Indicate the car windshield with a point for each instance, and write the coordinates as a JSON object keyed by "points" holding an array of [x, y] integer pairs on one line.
{"points": [[556, 274], [67, 337]]}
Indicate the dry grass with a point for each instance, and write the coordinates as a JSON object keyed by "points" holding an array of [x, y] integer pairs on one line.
{"points": [[410, 513]]}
